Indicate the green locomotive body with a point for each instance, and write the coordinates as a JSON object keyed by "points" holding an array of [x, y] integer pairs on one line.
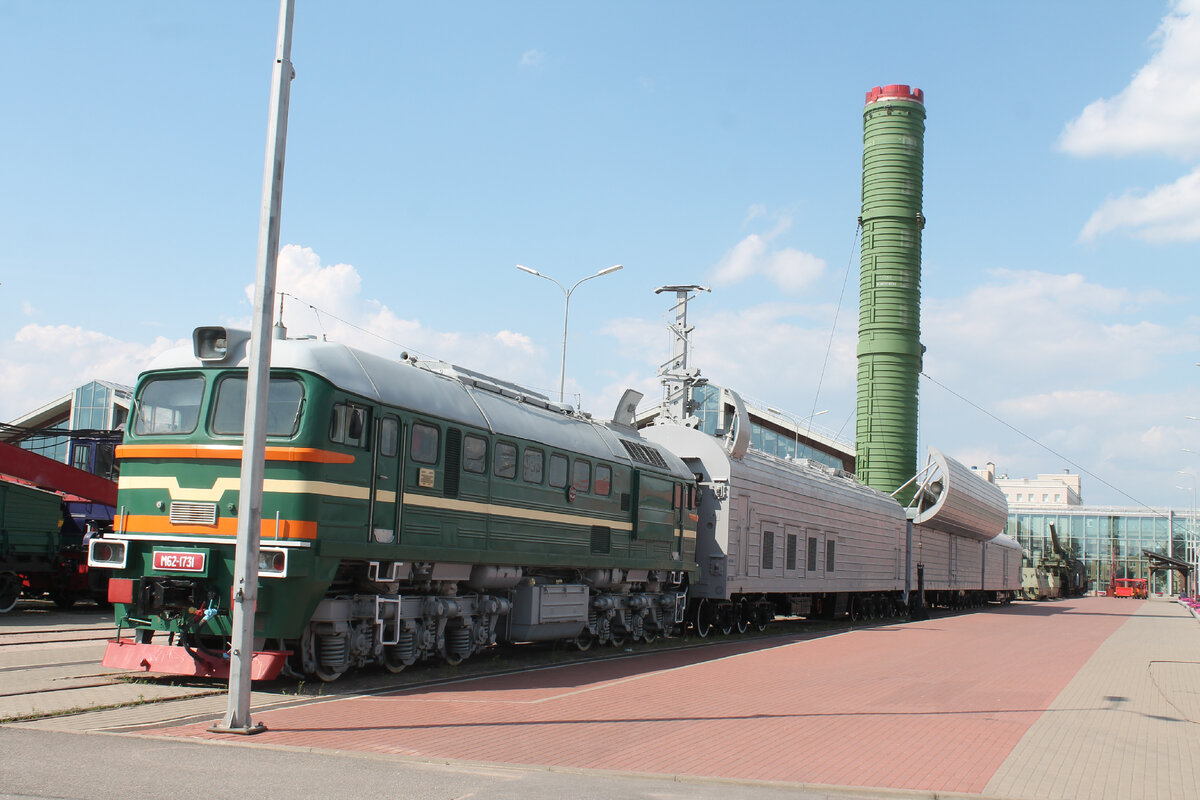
{"points": [[408, 511]]}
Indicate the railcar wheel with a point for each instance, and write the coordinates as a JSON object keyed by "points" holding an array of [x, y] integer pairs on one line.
{"points": [[703, 623], [617, 638], [763, 616], [10, 591], [583, 640], [63, 598], [452, 659], [855, 609], [743, 616], [726, 613], [649, 635]]}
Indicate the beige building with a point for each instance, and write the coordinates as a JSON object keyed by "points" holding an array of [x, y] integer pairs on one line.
{"points": [[1055, 489]]}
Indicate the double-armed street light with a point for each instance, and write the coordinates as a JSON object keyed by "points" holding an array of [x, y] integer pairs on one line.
{"points": [[562, 373]]}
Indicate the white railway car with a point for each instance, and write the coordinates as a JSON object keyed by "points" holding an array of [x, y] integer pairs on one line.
{"points": [[795, 537]]}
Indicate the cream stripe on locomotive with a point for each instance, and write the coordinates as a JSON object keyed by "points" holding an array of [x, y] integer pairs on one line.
{"points": [[222, 485], [448, 504]]}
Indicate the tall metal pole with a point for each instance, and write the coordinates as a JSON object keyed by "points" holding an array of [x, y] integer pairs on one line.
{"points": [[245, 568]]}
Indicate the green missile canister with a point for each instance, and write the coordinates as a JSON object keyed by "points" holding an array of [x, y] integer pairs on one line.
{"points": [[889, 323]]}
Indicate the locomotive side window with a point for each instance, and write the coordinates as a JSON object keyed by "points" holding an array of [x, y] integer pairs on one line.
{"points": [[790, 557], [425, 441], [349, 424], [475, 454], [558, 470], [169, 405], [582, 476], [677, 502], [504, 464], [603, 480], [285, 399], [829, 560], [389, 437], [812, 554], [533, 465]]}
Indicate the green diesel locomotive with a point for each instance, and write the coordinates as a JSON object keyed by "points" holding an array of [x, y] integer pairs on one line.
{"points": [[411, 510]]}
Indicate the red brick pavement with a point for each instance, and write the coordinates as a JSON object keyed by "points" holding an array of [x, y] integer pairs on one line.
{"points": [[935, 705]]}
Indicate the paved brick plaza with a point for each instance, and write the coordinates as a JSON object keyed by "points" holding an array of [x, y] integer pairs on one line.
{"points": [[935, 706]]}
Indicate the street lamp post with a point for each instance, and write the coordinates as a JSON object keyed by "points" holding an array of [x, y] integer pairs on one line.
{"points": [[562, 371], [1192, 540]]}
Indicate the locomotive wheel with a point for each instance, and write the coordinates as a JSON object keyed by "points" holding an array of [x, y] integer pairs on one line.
{"points": [[63, 598], [452, 659], [855, 609], [703, 623], [583, 641], [327, 675], [649, 635], [727, 613], [394, 667], [617, 638]]}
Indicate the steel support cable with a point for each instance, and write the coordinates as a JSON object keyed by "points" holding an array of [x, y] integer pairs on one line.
{"points": [[1044, 446], [833, 329]]}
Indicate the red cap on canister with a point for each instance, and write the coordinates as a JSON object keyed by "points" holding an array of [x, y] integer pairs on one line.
{"points": [[895, 91]]}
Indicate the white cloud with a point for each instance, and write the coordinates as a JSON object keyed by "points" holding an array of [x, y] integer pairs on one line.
{"points": [[533, 58], [1049, 329], [790, 269], [27, 309], [327, 301], [43, 362], [1159, 111], [1168, 213]]}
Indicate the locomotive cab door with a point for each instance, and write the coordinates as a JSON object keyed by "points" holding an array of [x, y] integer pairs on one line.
{"points": [[387, 467]]}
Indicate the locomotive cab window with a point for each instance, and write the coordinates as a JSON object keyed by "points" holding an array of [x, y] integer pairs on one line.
{"points": [[603, 483], [582, 476], [504, 463], [558, 470], [285, 401], [532, 465], [349, 424], [169, 405], [425, 443], [475, 454]]}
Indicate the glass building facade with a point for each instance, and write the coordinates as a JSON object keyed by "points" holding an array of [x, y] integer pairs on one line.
{"points": [[1109, 540]]}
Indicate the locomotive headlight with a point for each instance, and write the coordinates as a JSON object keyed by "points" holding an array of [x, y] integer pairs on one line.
{"points": [[106, 553], [272, 563], [217, 343]]}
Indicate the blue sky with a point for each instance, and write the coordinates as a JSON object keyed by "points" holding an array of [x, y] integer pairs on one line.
{"points": [[432, 147]]}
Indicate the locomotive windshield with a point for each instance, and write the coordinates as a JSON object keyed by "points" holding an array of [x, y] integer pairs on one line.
{"points": [[169, 405], [285, 399]]}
